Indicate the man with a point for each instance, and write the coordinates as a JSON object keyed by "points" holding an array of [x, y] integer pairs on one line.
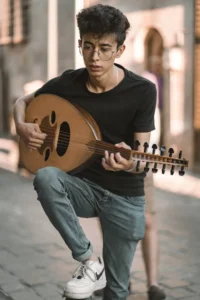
{"points": [[123, 106]]}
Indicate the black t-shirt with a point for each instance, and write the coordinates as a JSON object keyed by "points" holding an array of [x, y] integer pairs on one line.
{"points": [[127, 108]]}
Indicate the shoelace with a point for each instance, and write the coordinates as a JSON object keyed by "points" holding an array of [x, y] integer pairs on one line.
{"points": [[82, 271]]}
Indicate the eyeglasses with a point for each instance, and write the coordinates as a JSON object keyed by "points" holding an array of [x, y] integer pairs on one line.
{"points": [[103, 53]]}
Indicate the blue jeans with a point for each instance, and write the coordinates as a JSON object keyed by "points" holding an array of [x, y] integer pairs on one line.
{"points": [[64, 197]]}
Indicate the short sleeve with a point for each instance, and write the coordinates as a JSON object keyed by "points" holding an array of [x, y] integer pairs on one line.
{"points": [[144, 118]]}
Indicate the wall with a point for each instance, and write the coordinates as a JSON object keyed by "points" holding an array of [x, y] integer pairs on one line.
{"points": [[28, 62], [66, 28]]}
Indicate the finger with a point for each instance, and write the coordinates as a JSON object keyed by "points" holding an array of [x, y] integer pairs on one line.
{"points": [[122, 145], [104, 164], [32, 148], [121, 160], [119, 144], [35, 145], [40, 136], [124, 163], [113, 164], [106, 156], [106, 167], [37, 141]]}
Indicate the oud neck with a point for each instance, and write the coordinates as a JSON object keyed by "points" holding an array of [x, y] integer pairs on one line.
{"points": [[101, 146]]}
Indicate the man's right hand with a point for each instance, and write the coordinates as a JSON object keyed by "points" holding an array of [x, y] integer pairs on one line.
{"points": [[31, 134]]}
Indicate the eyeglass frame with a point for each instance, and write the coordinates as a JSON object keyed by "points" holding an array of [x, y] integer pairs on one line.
{"points": [[80, 49]]}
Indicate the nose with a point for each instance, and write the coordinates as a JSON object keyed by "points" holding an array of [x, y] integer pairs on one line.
{"points": [[95, 55]]}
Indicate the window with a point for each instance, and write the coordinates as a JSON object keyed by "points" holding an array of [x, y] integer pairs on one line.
{"points": [[14, 25]]}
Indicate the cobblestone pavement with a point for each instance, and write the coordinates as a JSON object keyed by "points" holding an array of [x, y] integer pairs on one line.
{"points": [[35, 263], [3, 296]]}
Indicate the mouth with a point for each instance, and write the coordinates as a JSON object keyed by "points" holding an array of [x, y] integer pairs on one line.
{"points": [[95, 67]]}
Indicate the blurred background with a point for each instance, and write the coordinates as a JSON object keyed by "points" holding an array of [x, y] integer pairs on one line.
{"points": [[38, 41]]}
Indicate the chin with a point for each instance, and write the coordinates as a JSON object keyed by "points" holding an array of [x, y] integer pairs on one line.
{"points": [[95, 73]]}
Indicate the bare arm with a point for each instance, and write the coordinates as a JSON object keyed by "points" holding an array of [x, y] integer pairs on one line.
{"points": [[142, 137], [30, 133], [20, 108]]}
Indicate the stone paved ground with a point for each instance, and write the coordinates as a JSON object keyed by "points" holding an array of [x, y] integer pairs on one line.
{"points": [[35, 264], [3, 296]]}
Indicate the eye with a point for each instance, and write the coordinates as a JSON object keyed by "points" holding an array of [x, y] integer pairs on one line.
{"points": [[86, 47], [104, 50]]}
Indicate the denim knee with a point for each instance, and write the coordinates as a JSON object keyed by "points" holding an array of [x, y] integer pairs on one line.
{"points": [[47, 179]]}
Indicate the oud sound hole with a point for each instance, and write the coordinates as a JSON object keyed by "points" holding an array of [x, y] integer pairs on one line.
{"points": [[47, 154], [63, 139], [53, 117]]}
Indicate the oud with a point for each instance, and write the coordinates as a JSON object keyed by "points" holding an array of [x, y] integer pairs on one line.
{"points": [[74, 139]]}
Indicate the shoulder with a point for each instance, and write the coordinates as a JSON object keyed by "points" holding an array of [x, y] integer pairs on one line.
{"points": [[145, 82], [67, 76], [67, 79], [133, 80], [146, 88], [72, 74]]}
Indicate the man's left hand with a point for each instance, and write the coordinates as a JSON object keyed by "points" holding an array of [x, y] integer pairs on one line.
{"points": [[115, 162]]}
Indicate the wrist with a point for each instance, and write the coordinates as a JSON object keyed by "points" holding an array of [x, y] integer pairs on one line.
{"points": [[19, 125], [131, 169]]}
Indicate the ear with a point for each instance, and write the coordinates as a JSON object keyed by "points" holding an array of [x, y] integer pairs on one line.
{"points": [[120, 51], [79, 43]]}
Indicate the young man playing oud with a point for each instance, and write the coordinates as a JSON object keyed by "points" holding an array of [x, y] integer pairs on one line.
{"points": [[123, 106]]}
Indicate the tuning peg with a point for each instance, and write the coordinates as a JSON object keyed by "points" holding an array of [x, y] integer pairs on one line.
{"points": [[146, 168], [172, 170], [155, 169], [164, 169], [171, 151], [138, 166], [154, 147], [180, 155], [146, 146], [162, 150], [182, 172], [137, 144]]}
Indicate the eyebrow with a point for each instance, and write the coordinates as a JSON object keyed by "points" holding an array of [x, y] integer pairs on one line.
{"points": [[102, 44]]}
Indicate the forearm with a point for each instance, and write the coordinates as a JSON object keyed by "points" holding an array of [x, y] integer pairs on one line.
{"points": [[20, 108], [19, 111], [140, 139]]}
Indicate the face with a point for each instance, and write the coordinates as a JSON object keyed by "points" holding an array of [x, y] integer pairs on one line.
{"points": [[99, 54]]}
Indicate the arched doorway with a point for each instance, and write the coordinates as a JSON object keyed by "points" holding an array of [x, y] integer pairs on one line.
{"points": [[153, 63], [153, 46]]}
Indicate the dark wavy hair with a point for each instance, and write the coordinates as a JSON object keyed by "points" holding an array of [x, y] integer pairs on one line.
{"points": [[103, 19]]}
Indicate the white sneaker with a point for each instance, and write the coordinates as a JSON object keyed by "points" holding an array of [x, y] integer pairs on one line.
{"points": [[88, 277]]}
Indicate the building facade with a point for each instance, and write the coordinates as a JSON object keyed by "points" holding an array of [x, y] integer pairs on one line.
{"points": [[159, 28], [26, 51]]}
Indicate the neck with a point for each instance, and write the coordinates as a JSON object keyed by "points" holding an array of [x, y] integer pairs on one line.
{"points": [[105, 82], [99, 148]]}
